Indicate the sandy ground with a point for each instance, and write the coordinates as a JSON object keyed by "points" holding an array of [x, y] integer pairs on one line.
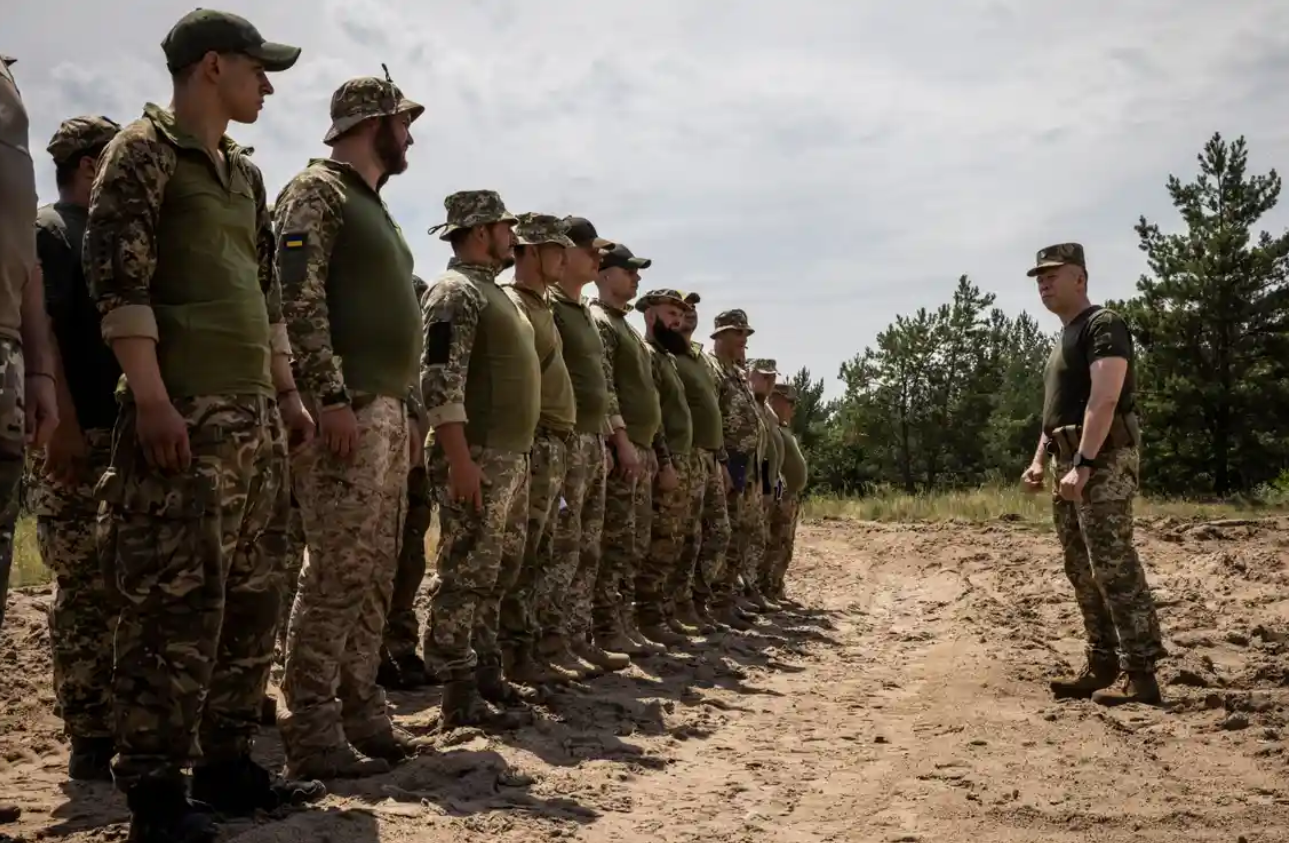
{"points": [[907, 701]]}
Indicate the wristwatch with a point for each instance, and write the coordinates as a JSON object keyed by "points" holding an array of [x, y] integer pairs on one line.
{"points": [[1081, 461], [335, 398]]}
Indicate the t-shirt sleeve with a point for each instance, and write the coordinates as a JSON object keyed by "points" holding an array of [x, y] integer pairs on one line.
{"points": [[1107, 336]]}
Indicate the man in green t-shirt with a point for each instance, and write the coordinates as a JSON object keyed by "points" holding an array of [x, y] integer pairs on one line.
{"points": [[179, 252], [354, 323], [1090, 431], [481, 381], [786, 511]]}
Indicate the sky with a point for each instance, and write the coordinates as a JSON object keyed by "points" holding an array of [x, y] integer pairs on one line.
{"points": [[824, 165]]}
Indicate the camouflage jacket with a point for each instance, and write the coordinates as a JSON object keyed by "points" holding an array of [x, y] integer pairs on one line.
{"points": [[740, 416]]}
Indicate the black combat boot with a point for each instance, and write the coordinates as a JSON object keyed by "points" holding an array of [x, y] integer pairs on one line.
{"points": [[241, 787], [1096, 674], [160, 812], [91, 759]]}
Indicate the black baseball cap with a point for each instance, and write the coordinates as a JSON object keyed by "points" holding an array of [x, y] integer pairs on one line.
{"points": [[623, 257], [582, 233], [203, 30]]}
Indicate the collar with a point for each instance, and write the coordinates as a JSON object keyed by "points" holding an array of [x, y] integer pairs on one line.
{"points": [[164, 120], [476, 271], [609, 308]]}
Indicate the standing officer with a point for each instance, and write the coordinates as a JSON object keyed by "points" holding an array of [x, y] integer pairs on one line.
{"points": [[82, 616], [787, 509], [762, 376], [1090, 423], [353, 320], [179, 251]]}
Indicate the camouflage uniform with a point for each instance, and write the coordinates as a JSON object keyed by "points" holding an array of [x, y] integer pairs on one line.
{"points": [[352, 508], [194, 554], [523, 578], [83, 614], [17, 259], [744, 443], [786, 512], [480, 371], [757, 581]]}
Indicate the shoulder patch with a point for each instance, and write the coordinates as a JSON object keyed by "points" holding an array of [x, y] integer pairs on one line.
{"points": [[295, 240]]}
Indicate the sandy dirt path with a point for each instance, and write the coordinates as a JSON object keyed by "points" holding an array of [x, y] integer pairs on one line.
{"points": [[906, 700]]}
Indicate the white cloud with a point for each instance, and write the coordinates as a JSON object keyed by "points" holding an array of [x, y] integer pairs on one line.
{"points": [[824, 165]]}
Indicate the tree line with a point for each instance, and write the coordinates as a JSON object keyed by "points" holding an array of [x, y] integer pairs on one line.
{"points": [[950, 397]]}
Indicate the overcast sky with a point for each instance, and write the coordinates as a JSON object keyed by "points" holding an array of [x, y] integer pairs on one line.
{"points": [[823, 164]]}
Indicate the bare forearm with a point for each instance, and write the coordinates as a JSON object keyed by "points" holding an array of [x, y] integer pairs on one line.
{"points": [[1096, 426], [280, 367], [138, 359], [1041, 451], [451, 436], [37, 351]]}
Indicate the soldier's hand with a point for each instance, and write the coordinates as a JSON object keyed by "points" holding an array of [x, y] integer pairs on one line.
{"points": [[339, 428], [465, 482], [41, 399], [1033, 477], [66, 454], [163, 435], [300, 426], [668, 480], [1072, 483], [628, 462]]}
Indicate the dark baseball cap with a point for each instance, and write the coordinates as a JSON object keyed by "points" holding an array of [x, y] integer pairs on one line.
{"points": [[582, 233], [623, 257], [203, 30]]}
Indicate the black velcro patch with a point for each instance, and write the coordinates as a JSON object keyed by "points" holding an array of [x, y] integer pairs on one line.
{"points": [[438, 343]]}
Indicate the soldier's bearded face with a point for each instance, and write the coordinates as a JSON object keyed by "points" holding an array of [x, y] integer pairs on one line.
{"points": [[393, 137], [242, 85], [501, 242]]}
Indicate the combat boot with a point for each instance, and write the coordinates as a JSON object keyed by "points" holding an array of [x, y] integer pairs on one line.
{"points": [[731, 617], [335, 762], [161, 812], [91, 759], [555, 651], [395, 746], [662, 634], [527, 669], [1137, 687], [493, 687], [599, 655], [686, 618], [1096, 674], [709, 621], [632, 632], [462, 706], [241, 787]]}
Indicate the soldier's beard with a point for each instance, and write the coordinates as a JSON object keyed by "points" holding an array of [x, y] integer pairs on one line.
{"points": [[392, 156], [673, 341]]}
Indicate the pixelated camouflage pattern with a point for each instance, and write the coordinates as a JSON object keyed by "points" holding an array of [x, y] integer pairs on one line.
{"points": [[1058, 255], [782, 542], [80, 134], [534, 229], [360, 99], [471, 546], [731, 320], [1101, 561], [353, 512], [402, 627], [628, 522], [468, 208], [741, 420], [13, 419], [293, 562], [453, 299], [674, 516], [707, 537], [82, 615], [664, 296], [763, 366], [787, 390], [197, 566], [548, 467], [565, 594], [747, 543]]}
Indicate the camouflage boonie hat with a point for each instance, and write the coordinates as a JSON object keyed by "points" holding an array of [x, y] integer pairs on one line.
{"points": [[468, 208], [202, 31], [80, 134], [363, 98], [732, 320], [786, 391], [763, 366], [1058, 255], [692, 298], [534, 229], [656, 297]]}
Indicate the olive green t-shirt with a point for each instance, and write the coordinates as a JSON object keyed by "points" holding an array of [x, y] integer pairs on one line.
{"points": [[677, 423], [583, 355], [704, 405], [559, 409], [795, 471], [1095, 334]]}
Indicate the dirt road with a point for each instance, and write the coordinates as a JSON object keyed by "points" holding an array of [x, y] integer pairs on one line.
{"points": [[907, 701]]}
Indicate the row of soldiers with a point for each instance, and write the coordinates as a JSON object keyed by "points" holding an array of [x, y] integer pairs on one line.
{"points": [[602, 495]]}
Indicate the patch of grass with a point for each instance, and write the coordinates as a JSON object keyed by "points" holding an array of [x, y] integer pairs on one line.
{"points": [[990, 503], [28, 569]]}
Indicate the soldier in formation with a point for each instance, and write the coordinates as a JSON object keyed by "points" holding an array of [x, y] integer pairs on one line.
{"points": [[763, 376], [785, 514]]}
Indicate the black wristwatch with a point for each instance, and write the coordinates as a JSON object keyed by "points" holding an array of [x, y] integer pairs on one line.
{"points": [[335, 399], [1081, 461]]}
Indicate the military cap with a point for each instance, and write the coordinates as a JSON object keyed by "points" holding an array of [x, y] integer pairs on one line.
{"points": [[732, 320], [786, 391], [582, 233], [657, 297], [1058, 255], [204, 30], [692, 298], [620, 256], [468, 208], [763, 366], [534, 229], [80, 134], [363, 98]]}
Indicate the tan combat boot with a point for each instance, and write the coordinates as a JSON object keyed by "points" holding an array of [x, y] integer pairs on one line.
{"points": [[1137, 687], [1096, 675], [335, 762], [555, 651], [599, 656], [526, 669]]}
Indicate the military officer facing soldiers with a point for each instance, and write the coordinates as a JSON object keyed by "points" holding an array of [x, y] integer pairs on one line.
{"points": [[354, 323], [1090, 429]]}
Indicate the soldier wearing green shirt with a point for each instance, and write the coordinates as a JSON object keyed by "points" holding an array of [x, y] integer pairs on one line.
{"points": [[355, 327], [762, 374], [786, 511], [481, 380], [179, 251]]}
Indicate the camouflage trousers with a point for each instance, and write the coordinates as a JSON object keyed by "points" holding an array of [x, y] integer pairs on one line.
{"points": [[353, 513], [1101, 562], [628, 517], [673, 517], [707, 535], [548, 466], [761, 575], [197, 561], [747, 542], [782, 541], [295, 547], [13, 418], [461, 631], [402, 628], [82, 617], [565, 593]]}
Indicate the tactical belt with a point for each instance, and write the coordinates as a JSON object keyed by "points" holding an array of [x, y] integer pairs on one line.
{"points": [[1063, 442]]}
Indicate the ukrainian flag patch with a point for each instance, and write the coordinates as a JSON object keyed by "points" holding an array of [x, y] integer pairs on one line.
{"points": [[294, 241]]}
